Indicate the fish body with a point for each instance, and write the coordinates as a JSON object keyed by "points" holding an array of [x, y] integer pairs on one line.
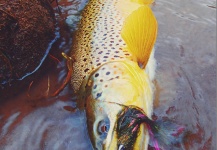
{"points": [[114, 67], [98, 39]]}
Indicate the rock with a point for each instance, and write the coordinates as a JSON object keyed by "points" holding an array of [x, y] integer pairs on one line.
{"points": [[27, 31]]}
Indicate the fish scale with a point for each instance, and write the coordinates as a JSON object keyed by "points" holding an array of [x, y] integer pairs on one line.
{"points": [[98, 39]]}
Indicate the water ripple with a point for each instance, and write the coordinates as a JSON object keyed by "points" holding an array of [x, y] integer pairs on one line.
{"points": [[49, 128]]}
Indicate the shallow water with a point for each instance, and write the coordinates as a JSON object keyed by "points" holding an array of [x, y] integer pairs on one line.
{"points": [[185, 83]]}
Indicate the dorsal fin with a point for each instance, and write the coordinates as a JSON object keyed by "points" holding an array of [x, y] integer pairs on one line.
{"points": [[139, 32]]}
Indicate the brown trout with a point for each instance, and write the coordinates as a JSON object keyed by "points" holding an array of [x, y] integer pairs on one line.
{"points": [[113, 72]]}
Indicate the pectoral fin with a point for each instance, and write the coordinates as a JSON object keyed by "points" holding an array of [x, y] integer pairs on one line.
{"points": [[139, 32]]}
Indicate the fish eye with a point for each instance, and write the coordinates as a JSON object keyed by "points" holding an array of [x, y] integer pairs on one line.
{"points": [[103, 128]]}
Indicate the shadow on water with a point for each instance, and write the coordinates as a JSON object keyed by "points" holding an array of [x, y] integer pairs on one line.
{"points": [[185, 83]]}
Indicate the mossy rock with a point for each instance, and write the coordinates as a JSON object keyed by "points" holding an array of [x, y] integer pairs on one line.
{"points": [[27, 31]]}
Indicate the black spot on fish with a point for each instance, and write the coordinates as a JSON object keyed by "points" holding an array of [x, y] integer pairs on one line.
{"points": [[97, 74], [86, 70], [98, 95]]}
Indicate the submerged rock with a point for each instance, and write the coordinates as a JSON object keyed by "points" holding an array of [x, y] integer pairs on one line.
{"points": [[27, 31]]}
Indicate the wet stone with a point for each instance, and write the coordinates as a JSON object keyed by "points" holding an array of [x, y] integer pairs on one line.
{"points": [[24, 40]]}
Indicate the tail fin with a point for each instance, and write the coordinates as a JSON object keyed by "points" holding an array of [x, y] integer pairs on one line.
{"points": [[140, 32]]}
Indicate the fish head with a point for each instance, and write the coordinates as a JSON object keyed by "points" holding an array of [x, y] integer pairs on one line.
{"points": [[110, 128], [101, 124], [107, 100]]}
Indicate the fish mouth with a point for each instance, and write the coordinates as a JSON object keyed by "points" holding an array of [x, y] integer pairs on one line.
{"points": [[128, 127]]}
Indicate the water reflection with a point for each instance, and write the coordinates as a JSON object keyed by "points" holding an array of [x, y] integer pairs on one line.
{"points": [[185, 83]]}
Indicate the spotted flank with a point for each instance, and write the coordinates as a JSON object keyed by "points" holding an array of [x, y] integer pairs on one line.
{"points": [[98, 39], [114, 67]]}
